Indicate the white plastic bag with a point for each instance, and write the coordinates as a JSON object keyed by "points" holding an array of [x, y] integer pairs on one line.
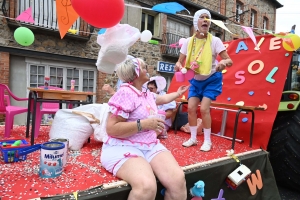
{"points": [[100, 129], [80, 123], [71, 126], [115, 43]]}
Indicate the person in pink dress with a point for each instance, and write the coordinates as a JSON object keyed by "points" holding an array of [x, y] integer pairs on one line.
{"points": [[131, 150]]}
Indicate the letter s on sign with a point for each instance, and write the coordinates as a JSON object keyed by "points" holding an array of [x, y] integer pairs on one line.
{"points": [[238, 76]]}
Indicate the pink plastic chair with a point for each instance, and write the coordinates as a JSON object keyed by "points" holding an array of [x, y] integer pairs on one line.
{"points": [[46, 108], [9, 110]]}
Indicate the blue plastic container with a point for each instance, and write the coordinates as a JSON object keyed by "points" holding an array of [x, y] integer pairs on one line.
{"points": [[11, 153]]}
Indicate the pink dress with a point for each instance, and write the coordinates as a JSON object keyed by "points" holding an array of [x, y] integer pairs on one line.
{"points": [[132, 104]]}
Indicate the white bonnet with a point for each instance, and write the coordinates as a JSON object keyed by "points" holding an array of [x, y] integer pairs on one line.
{"points": [[160, 81], [197, 15]]}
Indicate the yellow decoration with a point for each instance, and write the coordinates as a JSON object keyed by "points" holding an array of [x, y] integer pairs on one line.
{"points": [[75, 195], [73, 31], [224, 71], [221, 24], [183, 97], [230, 153], [295, 40]]}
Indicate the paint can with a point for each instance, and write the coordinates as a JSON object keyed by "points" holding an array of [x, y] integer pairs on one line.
{"points": [[51, 161], [66, 142]]}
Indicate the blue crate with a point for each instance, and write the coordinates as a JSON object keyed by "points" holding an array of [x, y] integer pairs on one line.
{"points": [[10, 153]]}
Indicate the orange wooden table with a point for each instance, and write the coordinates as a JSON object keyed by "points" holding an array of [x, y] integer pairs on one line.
{"points": [[39, 95]]}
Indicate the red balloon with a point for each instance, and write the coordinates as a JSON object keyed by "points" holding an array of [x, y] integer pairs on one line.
{"points": [[100, 13]]}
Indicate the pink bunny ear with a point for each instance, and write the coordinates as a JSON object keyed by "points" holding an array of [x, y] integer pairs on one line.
{"points": [[137, 66]]}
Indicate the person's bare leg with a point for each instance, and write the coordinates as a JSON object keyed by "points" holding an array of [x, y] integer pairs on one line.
{"points": [[205, 112], [139, 174], [192, 118], [206, 122], [192, 110], [170, 175]]}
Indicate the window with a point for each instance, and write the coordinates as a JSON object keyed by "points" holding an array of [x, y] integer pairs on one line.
{"points": [[216, 33], [178, 28], [88, 80], [56, 76], [253, 18], [238, 11], [37, 75], [61, 76], [175, 31], [265, 23], [43, 13], [295, 79], [151, 22], [219, 35]]}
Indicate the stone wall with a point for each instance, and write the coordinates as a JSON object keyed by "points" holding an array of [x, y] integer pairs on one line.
{"points": [[263, 9]]}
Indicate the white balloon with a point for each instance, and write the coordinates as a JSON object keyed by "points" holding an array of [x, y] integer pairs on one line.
{"points": [[146, 36]]}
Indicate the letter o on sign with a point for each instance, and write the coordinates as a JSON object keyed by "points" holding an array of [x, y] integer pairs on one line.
{"points": [[261, 67]]}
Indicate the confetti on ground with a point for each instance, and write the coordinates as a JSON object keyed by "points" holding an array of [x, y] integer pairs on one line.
{"points": [[83, 171]]}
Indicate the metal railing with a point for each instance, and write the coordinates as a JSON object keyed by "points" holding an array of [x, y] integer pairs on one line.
{"points": [[167, 39], [43, 14]]}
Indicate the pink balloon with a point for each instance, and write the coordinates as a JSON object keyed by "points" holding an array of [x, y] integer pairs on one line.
{"points": [[179, 76], [100, 13], [189, 74]]}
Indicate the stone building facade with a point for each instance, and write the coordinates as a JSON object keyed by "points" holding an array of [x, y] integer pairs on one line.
{"points": [[82, 49]]}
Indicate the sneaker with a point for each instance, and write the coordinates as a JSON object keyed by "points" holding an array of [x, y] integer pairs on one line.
{"points": [[206, 146], [189, 143]]}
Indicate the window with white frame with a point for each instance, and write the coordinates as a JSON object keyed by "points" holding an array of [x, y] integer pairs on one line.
{"points": [[152, 22], [253, 18], [43, 13], [178, 28], [265, 23], [61, 75], [175, 31], [238, 11]]}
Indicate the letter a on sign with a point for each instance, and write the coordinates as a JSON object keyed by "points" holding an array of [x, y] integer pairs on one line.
{"points": [[256, 182]]}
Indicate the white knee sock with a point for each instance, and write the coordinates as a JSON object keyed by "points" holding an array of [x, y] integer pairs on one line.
{"points": [[207, 132], [193, 132]]}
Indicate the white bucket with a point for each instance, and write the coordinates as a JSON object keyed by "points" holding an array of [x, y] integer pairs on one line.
{"points": [[66, 142], [51, 162]]}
